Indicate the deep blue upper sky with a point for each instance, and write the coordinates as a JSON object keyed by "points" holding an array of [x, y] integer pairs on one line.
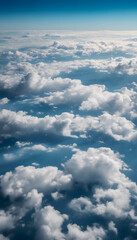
{"points": [[72, 14], [65, 6]]}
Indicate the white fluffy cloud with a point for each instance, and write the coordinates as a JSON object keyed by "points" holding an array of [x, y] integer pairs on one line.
{"points": [[16, 211], [24, 179], [2, 237], [15, 124], [112, 227], [109, 203], [18, 124], [4, 101], [25, 148], [118, 204], [6, 220], [49, 222], [29, 201], [120, 102], [102, 167], [32, 199], [75, 233], [57, 195], [30, 184], [81, 205], [26, 77], [96, 165], [93, 97], [118, 127]]}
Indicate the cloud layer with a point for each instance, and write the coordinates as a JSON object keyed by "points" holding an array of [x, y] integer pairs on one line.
{"points": [[68, 120]]}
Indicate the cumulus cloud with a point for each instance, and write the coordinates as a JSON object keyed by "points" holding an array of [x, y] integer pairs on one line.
{"points": [[6, 220], [118, 127], [16, 124], [57, 195], [117, 202], [120, 102], [96, 165], [39, 147], [16, 211], [25, 77], [2, 237], [4, 101], [112, 227], [127, 66], [115, 126], [75, 233], [94, 97], [24, 179], [49, 223], [28, 185], [81, 205], [25, 148], [109, 203], [35, 164], [104, 168], [19, 124], [22, 144], [30, 201], [100, 168]]}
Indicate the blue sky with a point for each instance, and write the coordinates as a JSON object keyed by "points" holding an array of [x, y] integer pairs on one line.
{"points": [[66, 6], [72, 15]]}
